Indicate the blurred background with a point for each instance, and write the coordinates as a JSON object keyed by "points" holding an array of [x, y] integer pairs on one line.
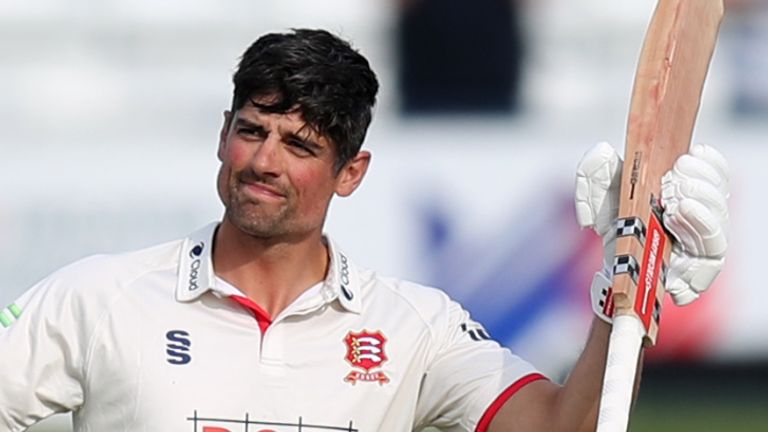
{"points": [[109, 114]]}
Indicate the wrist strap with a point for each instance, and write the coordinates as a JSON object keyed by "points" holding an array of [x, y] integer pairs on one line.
{"points": [[602, 295]]}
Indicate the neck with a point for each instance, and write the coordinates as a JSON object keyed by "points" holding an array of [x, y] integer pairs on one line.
{"points": [[271, 272]]}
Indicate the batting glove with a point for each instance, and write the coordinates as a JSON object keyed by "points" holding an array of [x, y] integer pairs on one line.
{"points": [[693, 196]]}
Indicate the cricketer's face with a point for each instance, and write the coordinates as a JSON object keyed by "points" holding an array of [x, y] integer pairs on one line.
{"points": [[277, 175]]}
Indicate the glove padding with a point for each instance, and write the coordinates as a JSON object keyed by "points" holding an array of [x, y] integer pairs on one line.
{"points": [[693, 195]]}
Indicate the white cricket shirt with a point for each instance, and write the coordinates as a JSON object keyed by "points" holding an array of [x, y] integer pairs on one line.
{"points": [[153, 341]]}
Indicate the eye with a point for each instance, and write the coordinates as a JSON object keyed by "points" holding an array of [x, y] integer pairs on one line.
{"points": [[300, 148], [251, 133], [246, 131]]}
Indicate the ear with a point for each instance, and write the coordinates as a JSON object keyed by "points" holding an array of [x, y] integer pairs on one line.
{"points": [[351, 175], [224, 133]]}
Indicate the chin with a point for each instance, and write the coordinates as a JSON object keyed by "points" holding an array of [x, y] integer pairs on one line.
{"points": [[256, 225]]}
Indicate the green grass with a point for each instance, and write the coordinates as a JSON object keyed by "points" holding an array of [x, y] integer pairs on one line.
{"points": [[696, 414]]}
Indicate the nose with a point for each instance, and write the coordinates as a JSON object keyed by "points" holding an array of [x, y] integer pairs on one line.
{"points": [[266, 158]]}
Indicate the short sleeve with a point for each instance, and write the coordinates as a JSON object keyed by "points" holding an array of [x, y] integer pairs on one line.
{"points": [[41, 355], [469, 377]]}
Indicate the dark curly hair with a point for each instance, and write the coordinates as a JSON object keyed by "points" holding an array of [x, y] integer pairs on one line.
{"points": [[314, 72]]}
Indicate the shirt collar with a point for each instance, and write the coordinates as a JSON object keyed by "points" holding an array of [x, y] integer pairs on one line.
{"points": [[196, 276], [342, 281]]}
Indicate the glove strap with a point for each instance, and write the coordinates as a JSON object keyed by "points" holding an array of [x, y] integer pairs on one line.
{"points": [[602, 295]]}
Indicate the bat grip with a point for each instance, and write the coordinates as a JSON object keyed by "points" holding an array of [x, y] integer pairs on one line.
{"points": [[620, 369]]}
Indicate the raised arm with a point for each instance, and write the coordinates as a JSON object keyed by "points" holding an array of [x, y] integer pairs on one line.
{"points": [[694, 197]]}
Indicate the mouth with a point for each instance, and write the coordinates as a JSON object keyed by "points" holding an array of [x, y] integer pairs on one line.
{"points": [[262, 191]]}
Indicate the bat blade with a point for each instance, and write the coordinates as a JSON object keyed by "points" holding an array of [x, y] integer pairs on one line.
{"points": [[665, 102]]}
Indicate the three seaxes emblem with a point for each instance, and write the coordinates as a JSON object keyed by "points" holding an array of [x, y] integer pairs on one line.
{"points": [[365, 351]]}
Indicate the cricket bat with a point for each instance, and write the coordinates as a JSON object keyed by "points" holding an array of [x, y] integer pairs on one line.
{"points": [[665, 101]]}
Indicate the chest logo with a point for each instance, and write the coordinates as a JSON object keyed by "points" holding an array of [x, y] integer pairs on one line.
{"points": [[178, 347], [365, 352]]}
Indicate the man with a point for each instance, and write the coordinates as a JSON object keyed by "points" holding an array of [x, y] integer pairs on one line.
{"points": [[261, 323]]}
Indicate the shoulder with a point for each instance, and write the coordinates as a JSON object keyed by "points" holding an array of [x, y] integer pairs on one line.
{"points": [[431, 305], [417, 294], [74, 298], [385, 298], [105, 276], [122, 268]]}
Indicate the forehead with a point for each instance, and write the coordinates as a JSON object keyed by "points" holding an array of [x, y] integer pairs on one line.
{"points": [[251, 112]]}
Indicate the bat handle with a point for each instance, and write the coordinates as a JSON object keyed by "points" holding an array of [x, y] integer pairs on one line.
{"points": [[620, 369]]}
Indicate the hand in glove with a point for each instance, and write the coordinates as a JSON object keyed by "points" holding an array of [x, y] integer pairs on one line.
{"points": [[693, 197]]}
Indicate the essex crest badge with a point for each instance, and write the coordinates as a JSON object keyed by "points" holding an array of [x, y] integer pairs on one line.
{"points": [[365, 352]]}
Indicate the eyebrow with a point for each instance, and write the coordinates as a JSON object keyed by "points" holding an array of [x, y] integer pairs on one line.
{"points": [[247, 123]]}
